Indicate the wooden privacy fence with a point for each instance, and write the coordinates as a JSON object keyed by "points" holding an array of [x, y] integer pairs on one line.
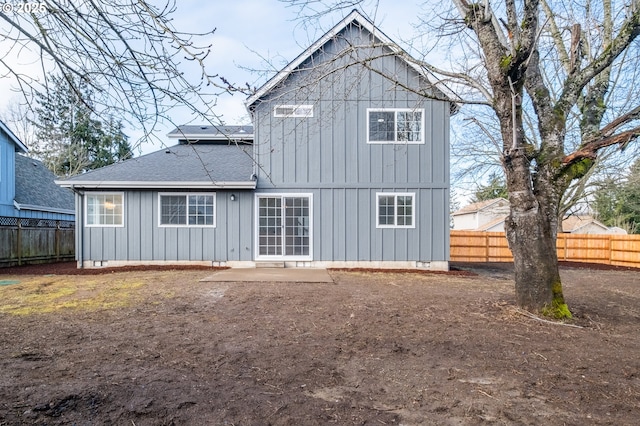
{"points": [[36, 241], [612, 249]]}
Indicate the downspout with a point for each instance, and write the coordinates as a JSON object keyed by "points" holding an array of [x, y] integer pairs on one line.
{"points": [[79, 231]]}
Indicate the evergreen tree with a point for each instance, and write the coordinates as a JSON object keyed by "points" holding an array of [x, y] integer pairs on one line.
{"points": [[496, 188], [69, 139], [618, 203]]}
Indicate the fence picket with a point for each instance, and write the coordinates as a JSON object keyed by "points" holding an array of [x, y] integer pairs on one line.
{"points": [[21, 244], [613, 249]]}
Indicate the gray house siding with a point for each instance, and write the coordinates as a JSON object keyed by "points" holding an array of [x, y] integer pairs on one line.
{"points": [[308, 188], [344, 225], [141, 239], [328, 156]]}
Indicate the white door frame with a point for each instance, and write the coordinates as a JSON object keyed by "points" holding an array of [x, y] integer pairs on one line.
{"points": [[282, 195]]}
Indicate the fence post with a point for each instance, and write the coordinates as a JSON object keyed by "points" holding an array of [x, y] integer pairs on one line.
{"points": [[486, 247], [19, 243], [57, 240]]}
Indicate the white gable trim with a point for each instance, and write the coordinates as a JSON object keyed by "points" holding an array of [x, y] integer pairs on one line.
{"points": [[23, 148], [354, 16]]}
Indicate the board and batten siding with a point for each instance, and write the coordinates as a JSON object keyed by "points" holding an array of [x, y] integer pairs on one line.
{"points": [[142, 239], [328, 155]]}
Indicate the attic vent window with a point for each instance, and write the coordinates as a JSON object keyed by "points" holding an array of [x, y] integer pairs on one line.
{"points": [[293, 111]]}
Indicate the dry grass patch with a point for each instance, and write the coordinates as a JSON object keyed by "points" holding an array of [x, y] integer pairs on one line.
{"points": [[45, 294]]}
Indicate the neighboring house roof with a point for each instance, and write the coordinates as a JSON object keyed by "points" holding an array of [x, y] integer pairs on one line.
{"points": [[36, 189], [208, 132], [481, 205], [20, 147], [495, 225], [574, 223], [359, 19], [197, 166]]}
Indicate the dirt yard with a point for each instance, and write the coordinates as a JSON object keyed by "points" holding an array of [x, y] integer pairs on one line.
{"points": [[161, 348]]}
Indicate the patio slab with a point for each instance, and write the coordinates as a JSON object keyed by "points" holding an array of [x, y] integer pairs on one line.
{"points": [[300, 275]]}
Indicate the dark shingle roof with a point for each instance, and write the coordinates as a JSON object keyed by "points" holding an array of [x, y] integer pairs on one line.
{"points": [[35, 186], [184, 165], [208, 132]]}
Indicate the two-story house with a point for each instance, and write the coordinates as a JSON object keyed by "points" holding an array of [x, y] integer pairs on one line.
{"points": [[346, 165]]}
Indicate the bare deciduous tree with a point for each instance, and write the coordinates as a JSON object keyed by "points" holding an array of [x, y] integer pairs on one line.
{"points": [[558, 61], [128, 53]]}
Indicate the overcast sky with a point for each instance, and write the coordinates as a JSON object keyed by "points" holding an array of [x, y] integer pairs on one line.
{"points": [[251, 34]]}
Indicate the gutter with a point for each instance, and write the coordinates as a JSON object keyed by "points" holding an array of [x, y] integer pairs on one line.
{"points": [[154, 185], [20, 206]]}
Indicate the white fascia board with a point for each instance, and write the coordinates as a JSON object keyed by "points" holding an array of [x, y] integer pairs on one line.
{"points": [[42, 208], [155, 185], [23, 148]]}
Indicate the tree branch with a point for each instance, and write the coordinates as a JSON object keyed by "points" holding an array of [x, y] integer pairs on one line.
{"points": [[574, 84]]}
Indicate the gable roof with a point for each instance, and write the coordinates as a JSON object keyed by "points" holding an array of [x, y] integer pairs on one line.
{"points": [[574, 222], [198, 166], [36, 189], [495, 223], [480, 205], [20, 147], [357, 18], [212, 133]]}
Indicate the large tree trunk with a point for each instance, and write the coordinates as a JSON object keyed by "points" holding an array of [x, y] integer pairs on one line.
{"points": [[532, 224], [532, 240]]}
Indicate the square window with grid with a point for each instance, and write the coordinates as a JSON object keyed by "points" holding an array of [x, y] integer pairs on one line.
{"points": [[395, 210], [395, 126], [104, 210], [187, 210]]}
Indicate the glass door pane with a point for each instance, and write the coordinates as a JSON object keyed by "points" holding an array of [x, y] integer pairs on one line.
{"points": [[270, 226], [296, 230]]}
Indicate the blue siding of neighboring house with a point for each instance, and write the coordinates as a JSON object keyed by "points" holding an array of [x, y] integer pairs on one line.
{"points": [[7, 175], [33, 189]]}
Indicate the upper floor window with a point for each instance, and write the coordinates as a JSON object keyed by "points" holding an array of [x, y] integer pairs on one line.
{"points": [[395, 125], [293, 111], [395, 210], [187, 210], [104, 209]]}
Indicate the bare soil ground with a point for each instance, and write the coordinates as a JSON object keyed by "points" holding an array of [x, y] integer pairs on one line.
{"points": [[161, 348]]}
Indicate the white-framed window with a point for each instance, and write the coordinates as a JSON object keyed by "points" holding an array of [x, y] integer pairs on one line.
{"points": [[104, 209], [395, 210], [395, 125], [301, 111], [187, 209]]}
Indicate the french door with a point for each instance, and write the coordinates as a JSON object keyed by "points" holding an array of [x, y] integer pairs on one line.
{"points": [[284, 227]]}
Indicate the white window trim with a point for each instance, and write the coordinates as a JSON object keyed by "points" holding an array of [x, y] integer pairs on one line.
{"points": [[97, 225], [187, 225], [395, 211], [256, 226], [396, 142], [299, 111]]}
